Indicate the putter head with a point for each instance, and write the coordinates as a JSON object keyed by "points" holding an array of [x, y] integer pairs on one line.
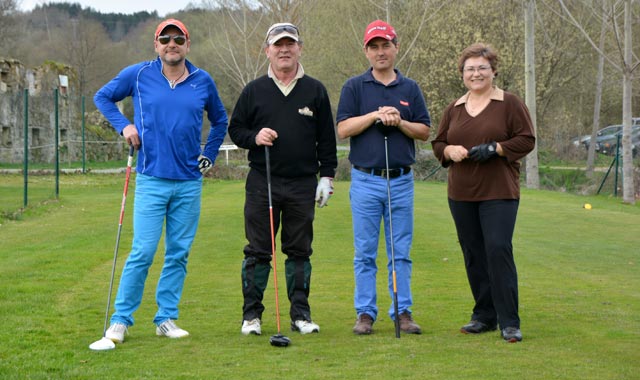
{"points": [[279, 340]]}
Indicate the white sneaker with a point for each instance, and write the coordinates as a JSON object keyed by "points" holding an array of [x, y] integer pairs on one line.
{"points": [[116, 332], [252, 327], [169, 329], [305, 327]]}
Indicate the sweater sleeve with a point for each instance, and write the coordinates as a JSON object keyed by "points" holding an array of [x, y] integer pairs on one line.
{"points": [[326, 140], [240, 130], [521, 139], [217, 116], [112, 92]]}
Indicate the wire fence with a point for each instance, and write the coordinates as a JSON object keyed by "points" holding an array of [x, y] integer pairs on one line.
{"points": [[43, 135]]}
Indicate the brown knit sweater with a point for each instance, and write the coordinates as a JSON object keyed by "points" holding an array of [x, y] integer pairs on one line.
{"points": [[505, 120]]}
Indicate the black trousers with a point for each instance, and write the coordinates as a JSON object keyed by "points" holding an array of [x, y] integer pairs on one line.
{"points": [[293, 214], [485, 232]]}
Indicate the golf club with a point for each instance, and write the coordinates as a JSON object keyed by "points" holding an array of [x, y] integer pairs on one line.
{"points": [[386, 131], [277, 340], [105, 343]]}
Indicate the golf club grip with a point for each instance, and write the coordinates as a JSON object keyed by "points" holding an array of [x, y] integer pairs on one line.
{"points": [[126, 183], [267, 162]]}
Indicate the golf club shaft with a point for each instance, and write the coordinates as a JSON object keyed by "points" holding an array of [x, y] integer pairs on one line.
{"points": [[115, 251], [273, 240], [393, 255]]}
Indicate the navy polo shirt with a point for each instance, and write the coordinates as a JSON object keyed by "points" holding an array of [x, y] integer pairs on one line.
{"points": [[363, 94]]}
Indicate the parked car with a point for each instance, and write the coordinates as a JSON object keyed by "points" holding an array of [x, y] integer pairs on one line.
{"points": [[604, 134], [609, 144]]}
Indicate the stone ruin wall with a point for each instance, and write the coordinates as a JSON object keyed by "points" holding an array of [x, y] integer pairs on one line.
{"points": [[40, 83]]}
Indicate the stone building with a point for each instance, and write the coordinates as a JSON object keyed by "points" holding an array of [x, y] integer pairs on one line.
{"points": [[34, 89]]}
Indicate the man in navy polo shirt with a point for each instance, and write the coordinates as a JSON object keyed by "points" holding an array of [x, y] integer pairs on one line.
{"points": [[382, 93]]}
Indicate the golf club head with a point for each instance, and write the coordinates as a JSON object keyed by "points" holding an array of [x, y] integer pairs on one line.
{"points": [[102, 345], [279, 340]]}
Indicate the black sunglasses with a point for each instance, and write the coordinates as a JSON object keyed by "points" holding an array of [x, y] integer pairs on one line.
{"points": [[164, 39]]}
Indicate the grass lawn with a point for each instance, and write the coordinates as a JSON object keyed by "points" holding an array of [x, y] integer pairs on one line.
{"points": [[578, 274]]}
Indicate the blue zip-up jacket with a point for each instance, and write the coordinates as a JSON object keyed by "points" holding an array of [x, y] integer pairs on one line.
{"points": [[169, 120]]}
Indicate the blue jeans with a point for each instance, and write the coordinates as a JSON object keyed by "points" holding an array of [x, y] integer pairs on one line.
{"points": [[369, 205], [158, 201]]}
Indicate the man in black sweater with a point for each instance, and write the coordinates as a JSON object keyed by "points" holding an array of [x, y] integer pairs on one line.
{"points": [[288, 113]]}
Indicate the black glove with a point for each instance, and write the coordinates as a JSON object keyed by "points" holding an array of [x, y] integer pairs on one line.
{"points": [[204, 164], [483, 152], [384, 129]]}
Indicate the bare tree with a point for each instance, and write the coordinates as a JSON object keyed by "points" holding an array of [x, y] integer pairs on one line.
{"points": [[415, 16], [85, 50], [533, 176], [7, 8], [237, 40], [598, 100]]}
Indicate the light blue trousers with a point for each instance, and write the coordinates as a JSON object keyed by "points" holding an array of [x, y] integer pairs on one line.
{"points": [[369, 205], [159, 201]]}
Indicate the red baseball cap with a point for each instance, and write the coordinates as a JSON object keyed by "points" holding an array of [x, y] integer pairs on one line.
{"points": [[379, 29], [171, 22]]}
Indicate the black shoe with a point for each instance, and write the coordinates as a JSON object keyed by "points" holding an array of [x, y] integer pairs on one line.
{"points": [[476, 327], [511, 334]]}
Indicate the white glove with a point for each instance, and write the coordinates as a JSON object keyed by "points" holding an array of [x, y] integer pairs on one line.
{"points": [[204, 164], [324, 191]]}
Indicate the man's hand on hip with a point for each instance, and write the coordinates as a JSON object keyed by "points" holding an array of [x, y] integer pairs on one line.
{"points": [[204, 164]]}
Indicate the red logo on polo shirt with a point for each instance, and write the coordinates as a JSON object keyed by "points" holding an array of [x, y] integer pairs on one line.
{"points": [[404, 103]]}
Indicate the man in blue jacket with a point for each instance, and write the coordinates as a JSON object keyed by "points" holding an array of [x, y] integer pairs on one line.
{"points": [[169, 96]]}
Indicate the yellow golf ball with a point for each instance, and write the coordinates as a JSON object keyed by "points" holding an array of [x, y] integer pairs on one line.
{"points": [[587, 206]]}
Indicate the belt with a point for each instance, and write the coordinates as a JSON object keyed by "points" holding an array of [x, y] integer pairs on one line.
{"points": [[393, 173]]}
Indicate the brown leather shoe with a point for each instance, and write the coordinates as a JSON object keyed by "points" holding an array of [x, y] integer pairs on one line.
{"points": [[364, 325], [408, 325]]}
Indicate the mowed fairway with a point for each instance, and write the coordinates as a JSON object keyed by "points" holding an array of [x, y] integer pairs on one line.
{"points": [[579, 273]]}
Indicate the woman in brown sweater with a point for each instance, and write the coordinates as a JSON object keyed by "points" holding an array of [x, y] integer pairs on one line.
{"points": [[481, 138]]}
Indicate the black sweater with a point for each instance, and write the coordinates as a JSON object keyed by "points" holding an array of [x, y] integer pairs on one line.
{"points": [[306, 142]]}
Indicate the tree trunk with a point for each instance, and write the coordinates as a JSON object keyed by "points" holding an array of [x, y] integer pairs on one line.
{"points": [[628, 193], [598, 101], [533, 177]]}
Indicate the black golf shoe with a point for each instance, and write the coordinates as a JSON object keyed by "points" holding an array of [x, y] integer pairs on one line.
{"points": [[476, 327]]}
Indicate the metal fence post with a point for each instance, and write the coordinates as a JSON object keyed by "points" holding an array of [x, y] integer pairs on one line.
{"points": [[57, 142], [26, 147]]}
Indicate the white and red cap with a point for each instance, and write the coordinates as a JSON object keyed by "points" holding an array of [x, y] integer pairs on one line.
{"points": [[379, 29]]}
